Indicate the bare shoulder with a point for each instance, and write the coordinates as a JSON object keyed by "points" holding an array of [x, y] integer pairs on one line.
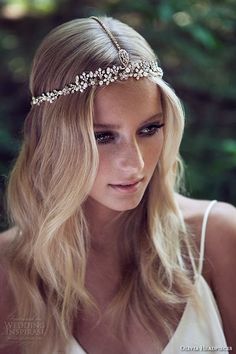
{"points": [[219, 255], [221, 225], [7, 303], [7, 236]]}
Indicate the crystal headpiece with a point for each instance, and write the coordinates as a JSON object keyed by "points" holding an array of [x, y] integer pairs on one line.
{"points": [[99, 77]]}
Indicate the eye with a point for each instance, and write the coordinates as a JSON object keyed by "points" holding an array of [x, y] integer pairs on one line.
{"points": [[104, 137], [109, 137], [151, 129]]}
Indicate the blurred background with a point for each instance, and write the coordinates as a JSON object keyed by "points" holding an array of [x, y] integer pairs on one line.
{"points": [[195, 41]]}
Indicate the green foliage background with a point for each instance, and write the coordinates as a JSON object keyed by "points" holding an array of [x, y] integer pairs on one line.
{"points": [[195, 42]]}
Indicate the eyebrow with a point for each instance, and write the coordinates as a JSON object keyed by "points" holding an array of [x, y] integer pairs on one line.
{"points": [[115, 126]]}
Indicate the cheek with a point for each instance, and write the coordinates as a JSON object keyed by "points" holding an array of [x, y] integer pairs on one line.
{"points": [[104, 167], [152, 151]]}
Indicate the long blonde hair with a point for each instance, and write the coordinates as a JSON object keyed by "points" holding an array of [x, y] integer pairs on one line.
{"points": [[52, 178]]}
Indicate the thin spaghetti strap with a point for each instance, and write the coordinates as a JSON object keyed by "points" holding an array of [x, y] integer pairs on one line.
{"points": [[203, 235]]}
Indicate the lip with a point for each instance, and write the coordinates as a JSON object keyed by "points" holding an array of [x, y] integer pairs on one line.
{"points": [[125, 183], [128, 188]]}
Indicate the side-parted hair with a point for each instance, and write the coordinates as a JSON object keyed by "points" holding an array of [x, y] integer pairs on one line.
{"points": [[51, 180]]}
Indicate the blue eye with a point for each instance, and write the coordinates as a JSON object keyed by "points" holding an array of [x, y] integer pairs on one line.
{"points": [[108, 137], [103, 138], [151, 129]]}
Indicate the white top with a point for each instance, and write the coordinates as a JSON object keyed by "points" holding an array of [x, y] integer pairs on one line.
{"points": [[193, 334]]}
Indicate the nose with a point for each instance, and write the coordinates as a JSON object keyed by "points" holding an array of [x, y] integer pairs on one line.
{"points": [[131, 158]]}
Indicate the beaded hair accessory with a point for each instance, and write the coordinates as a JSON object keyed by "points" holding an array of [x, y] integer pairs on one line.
{"points": [[99, 77]]}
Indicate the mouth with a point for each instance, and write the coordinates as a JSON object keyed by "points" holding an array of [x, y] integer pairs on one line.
{"points": [[127, 187]]}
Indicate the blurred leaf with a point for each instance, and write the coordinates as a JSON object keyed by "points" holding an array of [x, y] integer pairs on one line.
{"points": [[203, 36]]}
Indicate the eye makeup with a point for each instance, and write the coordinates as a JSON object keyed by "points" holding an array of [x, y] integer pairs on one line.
{"points": [[106, 137]]}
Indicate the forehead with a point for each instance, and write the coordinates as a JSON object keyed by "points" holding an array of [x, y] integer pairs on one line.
{"points": [[125, 100]]}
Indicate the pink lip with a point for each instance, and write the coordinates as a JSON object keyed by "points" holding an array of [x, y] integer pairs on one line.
{"points": [[129, 188], [126, 183]]}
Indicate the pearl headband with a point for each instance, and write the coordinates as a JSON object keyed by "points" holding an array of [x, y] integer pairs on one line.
{"points": [[99, 77]]}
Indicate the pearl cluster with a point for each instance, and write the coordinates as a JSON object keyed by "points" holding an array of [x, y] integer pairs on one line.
{"points": [[101, 77]]}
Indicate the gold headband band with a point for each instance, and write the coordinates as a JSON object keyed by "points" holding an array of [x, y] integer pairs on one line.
{"points": [[123, 54], [126, 70]]}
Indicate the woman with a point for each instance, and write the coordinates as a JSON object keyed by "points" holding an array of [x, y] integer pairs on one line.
{"points": [[104, 252]]}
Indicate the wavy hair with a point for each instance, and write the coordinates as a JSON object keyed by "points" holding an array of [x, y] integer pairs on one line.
{"points": [[53, 176]]}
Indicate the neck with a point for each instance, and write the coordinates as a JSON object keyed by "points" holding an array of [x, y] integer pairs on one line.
{"points": [[105, 260], [104, 226]]}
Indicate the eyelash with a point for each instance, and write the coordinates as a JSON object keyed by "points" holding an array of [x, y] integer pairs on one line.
{"points": [[106, 137]]}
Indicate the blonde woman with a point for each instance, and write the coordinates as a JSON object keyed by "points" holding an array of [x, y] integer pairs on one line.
{"points": [[104, 256]]}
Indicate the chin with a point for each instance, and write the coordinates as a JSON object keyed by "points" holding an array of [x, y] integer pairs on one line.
{"points": [[125, 207]]}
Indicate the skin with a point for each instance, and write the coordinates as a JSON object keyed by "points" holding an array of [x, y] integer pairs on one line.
{"points": [[130, 156], [131, 152]]}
